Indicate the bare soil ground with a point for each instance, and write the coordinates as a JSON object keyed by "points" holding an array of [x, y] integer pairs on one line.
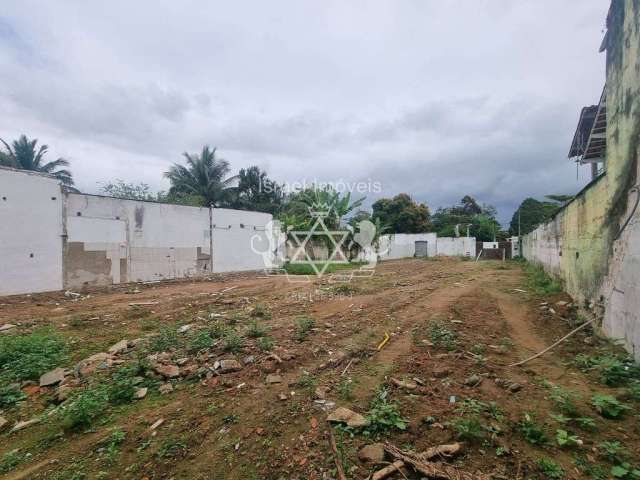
{"points": [[454, 327]]}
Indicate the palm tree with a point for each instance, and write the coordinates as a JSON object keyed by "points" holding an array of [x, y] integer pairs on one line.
{"points": [[204, 177], [24, 155]]}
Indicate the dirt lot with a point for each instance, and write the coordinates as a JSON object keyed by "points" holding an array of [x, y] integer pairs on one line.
{"points": [[443, 376]]}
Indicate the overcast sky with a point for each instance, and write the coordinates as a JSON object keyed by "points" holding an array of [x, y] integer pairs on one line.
{"points": [[434, 98]]}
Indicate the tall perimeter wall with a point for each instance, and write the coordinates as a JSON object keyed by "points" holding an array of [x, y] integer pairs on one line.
{"points": [[593, 244], [51, 240]]}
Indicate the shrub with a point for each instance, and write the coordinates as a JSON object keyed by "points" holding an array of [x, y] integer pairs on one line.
{"points": [[255, 330], [10, 395], [608, 406], [10, 460], [531, 431], [565, 400], [84, 408], [266, 344], [26, 357], [550, 469], [303, 326], [232, 342], [166, 339], [384, 415], [260, 311], [123, 385], [469, 428]]}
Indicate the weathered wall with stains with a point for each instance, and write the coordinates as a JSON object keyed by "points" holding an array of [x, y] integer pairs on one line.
{"points": [[111, 240], [593, 244], [30, 232], [456, 246]]}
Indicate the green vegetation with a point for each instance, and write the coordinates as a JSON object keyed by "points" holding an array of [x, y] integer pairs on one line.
{"points": [[384, 415], [565, 400], [10, 395], [255, 330], [531, 431], [200, 340], [307, 268], [550, 469], [540, 282], [441, 336], [608, 406], [166, 339], [26, 357], [401, 214], [232, 341], [469, 428], [566, 439], [260, 311], [10, 460], [345, 388], [303, 326], [84, 407], [266, 344]]}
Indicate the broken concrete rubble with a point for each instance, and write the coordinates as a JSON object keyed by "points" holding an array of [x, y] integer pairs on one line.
{"points": [[53, 377], [351, 418], [373, 453], [119, 347]]}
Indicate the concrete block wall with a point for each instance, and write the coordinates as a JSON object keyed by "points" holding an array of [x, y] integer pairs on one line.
{"points": [[30, 232], [52, 240], [456, 246]]}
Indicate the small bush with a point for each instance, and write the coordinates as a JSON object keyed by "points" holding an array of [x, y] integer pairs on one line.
{"points": [[303, 326], [260, 311], [384, 416], [307, 381], [266, 344], [550, 469], [566, 439], [201, 340], [232, 342], [608, 406], [123, 385], [469, 428], [166, 339], [255, 330], [565, 400], [84, 408], [531, 431], [10, 395], [26, 357], [10, 460], [345, 388]]}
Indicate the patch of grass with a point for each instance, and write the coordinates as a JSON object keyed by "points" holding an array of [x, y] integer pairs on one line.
{"points": [[550, 469], [26, 357], [593, 471], [344, 289], [232, 342], [81, 410], [10, 396], [307, 381], [260, 311], [266, 344], [200, 340], [255, 330], [112, 446], [540, 282], [10, 460], [303, 326], [469, 428], [608, 406], [307, 268], [565, 400], [166, 339], [531, 431], [441, 336], [172, 448], [122, 387]]}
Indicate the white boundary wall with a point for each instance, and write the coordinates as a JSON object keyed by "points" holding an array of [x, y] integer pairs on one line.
{"points": [[50, 240], [402, 245], [456, 246], [30, 232]]}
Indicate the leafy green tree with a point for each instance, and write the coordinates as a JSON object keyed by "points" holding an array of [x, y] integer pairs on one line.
{"points": [[257, 192], [299, 205], [24, 154], [468, 214], [133, 191], [401, 214], [530, 214], [204, 180]]}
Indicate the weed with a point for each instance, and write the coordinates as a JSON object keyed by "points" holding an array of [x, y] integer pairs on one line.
{"points": [[26, 357], [441, 336], [478, 349], [634, 391], [112, 447], [84, 407], [608, 406], [469, 428], [566, 439], [596, 472], [10, 395], [230, 419], [613, 451], [506, 343], [260, 311], [123, 385], [172, 448], [540, 281], [255, 330], [586, 423], [585, 362], [550, 469], [166, 339], [10, 460], [615, 372], [345, 388], [266, 344], [201, 340], [384, 415], [343, 289], [560, 418], [564, 400], [625, 471], [232, 342], [303, 326], [307, 381], [531, 431]]}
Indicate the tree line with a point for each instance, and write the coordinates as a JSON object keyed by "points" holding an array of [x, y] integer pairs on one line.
{"points": [[204, 179]]}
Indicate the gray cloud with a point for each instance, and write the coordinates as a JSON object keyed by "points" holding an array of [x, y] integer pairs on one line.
{"points": [[437, 99]]}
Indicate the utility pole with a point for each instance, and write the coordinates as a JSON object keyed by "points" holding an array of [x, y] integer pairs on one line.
{"points": [[210, 238]]}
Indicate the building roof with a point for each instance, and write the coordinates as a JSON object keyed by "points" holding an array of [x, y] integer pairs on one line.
{"points": [[590, 138]]}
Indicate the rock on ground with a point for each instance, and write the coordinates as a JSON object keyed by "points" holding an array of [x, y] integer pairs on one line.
{"points": [[119, 347], [373, 453], [53, 377], [351, 418]]}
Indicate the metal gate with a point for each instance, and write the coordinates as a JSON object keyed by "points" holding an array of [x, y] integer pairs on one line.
{"points": [[421, 248]]}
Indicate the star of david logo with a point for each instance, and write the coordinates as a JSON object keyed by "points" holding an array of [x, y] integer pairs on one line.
{"points": [[318, 230]]}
